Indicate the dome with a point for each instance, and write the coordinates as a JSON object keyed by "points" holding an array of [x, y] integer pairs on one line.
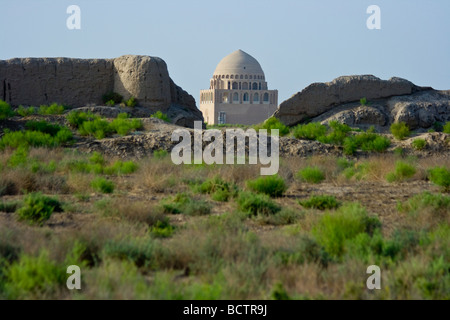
{"points": [[239, 63]]}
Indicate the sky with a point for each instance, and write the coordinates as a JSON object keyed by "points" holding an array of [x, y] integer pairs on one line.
{"points": [[297, 42]]}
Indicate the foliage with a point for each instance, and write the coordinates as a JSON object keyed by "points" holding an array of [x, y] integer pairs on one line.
{"points": [[419, 144], [273, 186], [51, 109], [273, 124], [440, 176], [311, 175], [102, 185], [38, 208], [5, 110], [112, 96], [402, 171], [161, 116], [256, 204], [400, 130], [321, 202]]}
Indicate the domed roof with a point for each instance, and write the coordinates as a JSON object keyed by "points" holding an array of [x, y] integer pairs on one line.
{"points": [[240, 63]]}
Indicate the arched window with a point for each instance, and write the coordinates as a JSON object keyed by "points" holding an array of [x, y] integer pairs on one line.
{"points": [[255, 86], [245, 86], [231, 77], [246, 76], [242, 77], [256, 97], [260, 86], [251, 77], [236, 97], [236, 77], [229, 85], [246, 97], [228, 77], [266, 97], [225, 97], [235, 86]]}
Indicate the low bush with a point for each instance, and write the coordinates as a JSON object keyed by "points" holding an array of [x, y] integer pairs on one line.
{"points": [[123, 126], [219, 189], [5, 110], [43, 126], [310, 131], [321, 203], [51, 109], [162, 229], [97, 128], [25, 112], [440, 176], [184, 203], [102, 185], [27, 139], [161, 116], [34, 278], [333, 229], [77, 118], [141, 253], [419, 144], [256, 204], [402, 171], [273, 124], [439, 204], [311, 175], [160, 154], [38, 208], [132, 102], [273, 186], [446, 128], [367, 141], [400, 130], [336, 134]]}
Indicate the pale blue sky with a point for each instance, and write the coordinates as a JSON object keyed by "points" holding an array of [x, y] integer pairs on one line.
{"points": [[297, 42]]}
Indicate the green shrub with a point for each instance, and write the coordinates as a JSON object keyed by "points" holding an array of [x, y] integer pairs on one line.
{"points": [[419, 144], [123, 126], [363, 101], [344, 163], [446, 128], [184, 203], [438, 203], [18, 158], [273, 124], [132, 102], [110, 103], [120, 167], [320, 202], [440, 176], [102, 185], [25, 112], [400, 130], [334, 228], [219, 189], [402, 171], [337, 133], [310, 131], [311, 175], [256, 204], [112, 96], [141, 253], [34, 278], [51, 109], [273, 186], [77, 118], [5, 110], [161, 116], [27, 139], [43, 126], [97, 128], [285, 216], [367, 141], [437, 127], [162, 229], [38, 208]]}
